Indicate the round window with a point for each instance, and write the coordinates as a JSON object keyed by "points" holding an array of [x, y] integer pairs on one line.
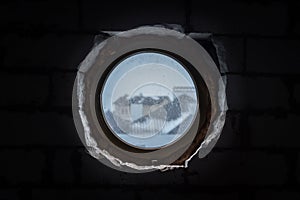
{"points": [[149, 100]]}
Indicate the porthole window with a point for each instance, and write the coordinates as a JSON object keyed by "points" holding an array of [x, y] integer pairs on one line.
{"points": [[148, 99]]}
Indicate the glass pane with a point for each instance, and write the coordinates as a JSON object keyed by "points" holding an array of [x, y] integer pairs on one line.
{"points": [[149, 100]]}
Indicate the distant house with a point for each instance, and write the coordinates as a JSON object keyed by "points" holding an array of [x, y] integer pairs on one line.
{"points": [[186, 96], [142, 114], [122, 107], [187, 103], [158, 107], [133, 115], [142, 106]]}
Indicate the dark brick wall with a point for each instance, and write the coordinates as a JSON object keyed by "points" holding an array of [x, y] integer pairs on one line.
{"points": [[41, 45]]}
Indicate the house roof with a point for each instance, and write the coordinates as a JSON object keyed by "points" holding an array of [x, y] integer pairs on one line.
{"points": [[148, 100], [122, 101]]}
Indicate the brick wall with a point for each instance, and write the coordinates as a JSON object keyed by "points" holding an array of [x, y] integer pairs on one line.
{"points": [[41, 45]]}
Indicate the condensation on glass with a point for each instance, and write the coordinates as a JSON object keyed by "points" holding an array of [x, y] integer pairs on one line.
{"points": [[149, 100]]}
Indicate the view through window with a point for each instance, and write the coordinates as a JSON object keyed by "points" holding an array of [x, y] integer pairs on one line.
{"points": [[149, 100]]}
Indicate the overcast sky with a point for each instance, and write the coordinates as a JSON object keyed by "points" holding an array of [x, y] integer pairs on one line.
{"points": [[151, 74]]}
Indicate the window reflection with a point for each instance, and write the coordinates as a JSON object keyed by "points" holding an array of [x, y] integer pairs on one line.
{"points": [[149, 100]]}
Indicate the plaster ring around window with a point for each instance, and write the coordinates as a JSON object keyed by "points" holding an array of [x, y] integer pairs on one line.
{"points": [[119, 135]]}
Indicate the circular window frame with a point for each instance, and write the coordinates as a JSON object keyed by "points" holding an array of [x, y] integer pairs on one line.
{"points": [[97, 63], [100, 114]]}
